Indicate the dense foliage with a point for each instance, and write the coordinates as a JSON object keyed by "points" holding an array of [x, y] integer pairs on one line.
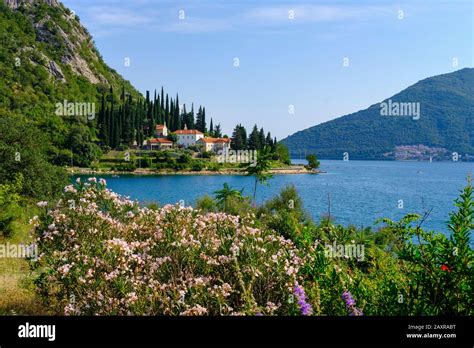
{"points": [[48, 58], [39, 45], [257, 140], [103, 254], [23, 151], [125, 121], [446, 121]]}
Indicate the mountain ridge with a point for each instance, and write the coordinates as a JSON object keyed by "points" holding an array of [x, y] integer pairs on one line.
{"points": [[446, 121]]}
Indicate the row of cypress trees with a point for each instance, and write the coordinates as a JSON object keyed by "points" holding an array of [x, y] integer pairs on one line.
{"points": [[124, 120]]}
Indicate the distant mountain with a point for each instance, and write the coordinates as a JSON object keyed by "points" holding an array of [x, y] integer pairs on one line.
{"points": [[393, 129]]}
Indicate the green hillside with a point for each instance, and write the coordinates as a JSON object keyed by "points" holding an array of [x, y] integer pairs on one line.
{"points": [[48, 57], [446, 122]]}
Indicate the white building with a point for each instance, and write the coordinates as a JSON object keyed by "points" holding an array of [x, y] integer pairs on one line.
{"points": [[159, 144], [214, 144], [188, 137], [161, 131]]}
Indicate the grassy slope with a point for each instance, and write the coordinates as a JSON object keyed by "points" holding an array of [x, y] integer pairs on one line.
{"points": [[16, 288]]}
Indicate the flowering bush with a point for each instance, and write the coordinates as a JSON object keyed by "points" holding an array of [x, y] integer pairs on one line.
{"points": [[102, 254]]}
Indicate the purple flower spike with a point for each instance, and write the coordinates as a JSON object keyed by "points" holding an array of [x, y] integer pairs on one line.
{"points": [[350, 304], [305, 308], [347, 296]]}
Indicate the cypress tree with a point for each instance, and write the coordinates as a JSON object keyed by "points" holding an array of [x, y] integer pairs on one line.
{"points": [[177, 121], [203, 122], [185, 117], [218, 132], [261, 139], [199, 119], [167, 111], [162, 99], [102, 120], [191, 124]]}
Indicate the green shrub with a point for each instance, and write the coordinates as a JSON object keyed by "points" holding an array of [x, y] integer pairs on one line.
{"points": [[120, 259]]}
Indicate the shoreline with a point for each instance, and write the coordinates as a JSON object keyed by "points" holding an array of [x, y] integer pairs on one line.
{"points": [[144, 172]]}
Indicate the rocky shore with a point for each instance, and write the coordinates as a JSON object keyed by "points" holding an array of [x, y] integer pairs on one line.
{"points": [[295, 169]]}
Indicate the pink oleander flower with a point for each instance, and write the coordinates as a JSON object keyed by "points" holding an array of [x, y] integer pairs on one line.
{"points": [[176, 261]]}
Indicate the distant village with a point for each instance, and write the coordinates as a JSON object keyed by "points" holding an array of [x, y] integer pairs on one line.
{"points": [[184, 138], [425, 153]]}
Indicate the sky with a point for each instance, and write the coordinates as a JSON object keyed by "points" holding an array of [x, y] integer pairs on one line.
{"points": [[284, 65]]}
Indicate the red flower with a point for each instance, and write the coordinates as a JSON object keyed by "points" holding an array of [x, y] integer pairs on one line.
{"points": [[445, 268]]}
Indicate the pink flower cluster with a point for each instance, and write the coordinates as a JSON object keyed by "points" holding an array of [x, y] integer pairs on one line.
{"points": [[113, 257]]}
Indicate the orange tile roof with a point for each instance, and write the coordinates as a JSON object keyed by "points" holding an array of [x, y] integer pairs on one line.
{"points": [[161, 141], [215, 140], [188, 131], [160, 126]]}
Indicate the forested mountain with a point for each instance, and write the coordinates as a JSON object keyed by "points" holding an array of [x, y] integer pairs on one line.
{"points": [[61, 105], [445, 124], [53, 77]]}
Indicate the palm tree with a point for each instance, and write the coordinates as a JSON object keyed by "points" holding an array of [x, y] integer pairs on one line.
{"points": [[222, 196], [260, 169]]}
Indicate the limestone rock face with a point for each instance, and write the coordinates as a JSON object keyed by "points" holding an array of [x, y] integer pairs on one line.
{"points": [[71, 42], [14, 4]]}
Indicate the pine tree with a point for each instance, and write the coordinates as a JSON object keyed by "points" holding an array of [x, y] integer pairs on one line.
{"points": [[211, 129], [237, 141], [245, 140], [254, 139], [269, 140]]}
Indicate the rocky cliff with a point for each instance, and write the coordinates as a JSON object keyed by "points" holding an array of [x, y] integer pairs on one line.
{"points": [[61, 41]]}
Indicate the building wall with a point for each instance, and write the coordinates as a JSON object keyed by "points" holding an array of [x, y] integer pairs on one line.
{"points": [[215, 146], [188, 139]]}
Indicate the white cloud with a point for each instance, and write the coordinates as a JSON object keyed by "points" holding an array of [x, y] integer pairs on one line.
{"points": [[108, 17], [115, 16], [314, 13], [195, 25]]}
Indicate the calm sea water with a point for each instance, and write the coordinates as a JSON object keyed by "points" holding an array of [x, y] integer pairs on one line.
{"points": [[360, 191]]}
